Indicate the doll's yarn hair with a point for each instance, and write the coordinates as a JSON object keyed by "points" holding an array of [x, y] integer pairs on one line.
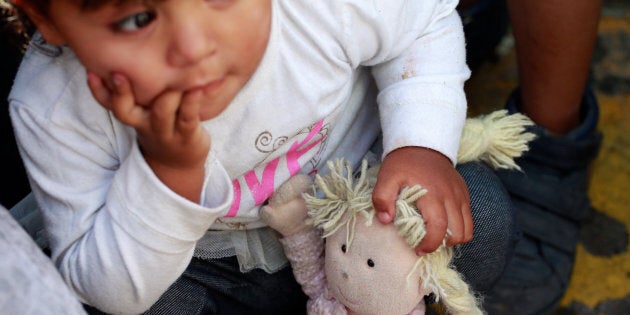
{"points": [[496, 139], [346, 197]]}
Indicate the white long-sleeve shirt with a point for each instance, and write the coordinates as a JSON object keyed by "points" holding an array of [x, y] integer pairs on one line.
{"points": [[120, 237]]}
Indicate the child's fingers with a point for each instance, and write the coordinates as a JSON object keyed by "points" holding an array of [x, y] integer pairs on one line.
{"points": [[449, 219], [460, 218], [456, 224], [122, 103], [436, 220], [100, 92], [384, 199], [468, 223], [188, 113], [118, 98], [164, 114]]}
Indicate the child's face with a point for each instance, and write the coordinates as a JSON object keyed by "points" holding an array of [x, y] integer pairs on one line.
{"points": [[180, 45]]}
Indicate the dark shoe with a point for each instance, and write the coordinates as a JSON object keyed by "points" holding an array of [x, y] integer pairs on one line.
{"points": [[550, 195]]}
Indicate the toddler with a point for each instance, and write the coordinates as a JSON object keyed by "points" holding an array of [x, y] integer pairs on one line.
{"points": [[153, 131]]}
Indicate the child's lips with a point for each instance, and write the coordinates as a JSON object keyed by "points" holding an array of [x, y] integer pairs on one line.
{"points": [[209, 87]]}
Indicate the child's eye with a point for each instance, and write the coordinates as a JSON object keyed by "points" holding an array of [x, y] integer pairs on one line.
{"points": [[135, 22], [370, 263], [343, 248]]}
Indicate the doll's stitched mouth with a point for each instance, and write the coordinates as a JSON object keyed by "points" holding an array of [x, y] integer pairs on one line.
{"points": [[345, 297]]}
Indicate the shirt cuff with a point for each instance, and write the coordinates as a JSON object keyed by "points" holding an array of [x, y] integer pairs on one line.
{"points": [[146, 208], [429, 115]]}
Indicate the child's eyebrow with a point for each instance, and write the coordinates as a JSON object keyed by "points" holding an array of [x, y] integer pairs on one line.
{"points": [[90, 5]]}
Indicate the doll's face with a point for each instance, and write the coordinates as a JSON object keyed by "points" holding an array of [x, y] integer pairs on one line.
{"points": [[370, 276]]}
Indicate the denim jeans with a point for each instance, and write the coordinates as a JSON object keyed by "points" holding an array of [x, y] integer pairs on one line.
{"points": [[483, 260], [217, 286]]}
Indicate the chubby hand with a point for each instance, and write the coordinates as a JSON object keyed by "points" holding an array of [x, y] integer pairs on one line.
{"points": [[446, 205], [169, 130]]}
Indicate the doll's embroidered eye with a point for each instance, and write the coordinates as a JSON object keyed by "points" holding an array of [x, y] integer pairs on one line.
{"points": [[343, 248], [370, 262]]}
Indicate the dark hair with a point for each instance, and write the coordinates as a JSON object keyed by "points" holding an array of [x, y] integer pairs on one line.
{"points": [[15, 19], [23, 28]]}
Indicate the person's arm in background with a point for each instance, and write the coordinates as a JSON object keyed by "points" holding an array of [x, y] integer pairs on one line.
{"points": [[35, 286]]}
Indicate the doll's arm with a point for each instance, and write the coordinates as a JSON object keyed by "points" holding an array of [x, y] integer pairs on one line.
{"points": [[305, 251], [302, 243], [286, 211]]}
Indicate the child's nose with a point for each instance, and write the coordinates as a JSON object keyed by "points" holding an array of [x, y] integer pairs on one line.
{"points": [[191, 42]]}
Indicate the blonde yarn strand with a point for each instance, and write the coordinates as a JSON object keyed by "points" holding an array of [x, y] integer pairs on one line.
{"points": [[496, 139]]}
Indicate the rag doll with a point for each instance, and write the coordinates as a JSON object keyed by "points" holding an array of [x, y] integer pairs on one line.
{"points": [[347, 262]]}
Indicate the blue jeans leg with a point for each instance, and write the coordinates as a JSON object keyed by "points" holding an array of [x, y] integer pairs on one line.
{"points": [[483, 260], [219, 287]]}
